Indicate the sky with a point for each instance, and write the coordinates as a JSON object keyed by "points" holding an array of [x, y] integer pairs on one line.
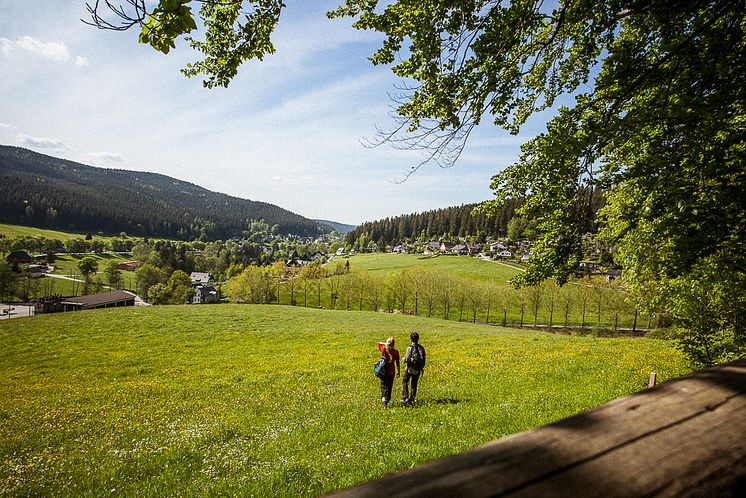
{"points": [[289, 130]]}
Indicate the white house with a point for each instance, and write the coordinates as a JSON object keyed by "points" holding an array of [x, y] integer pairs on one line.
{"points": [[205, 294], [497, 246], [200, 278]]}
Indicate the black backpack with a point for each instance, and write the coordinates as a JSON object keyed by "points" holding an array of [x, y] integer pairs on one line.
{"points": [[416, 358]]}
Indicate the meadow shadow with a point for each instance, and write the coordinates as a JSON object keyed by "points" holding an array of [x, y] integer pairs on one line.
{"points": [[446, 401]]}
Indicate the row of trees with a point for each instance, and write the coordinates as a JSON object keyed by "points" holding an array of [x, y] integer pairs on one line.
{"points": [[51, 246], [433, 293]]}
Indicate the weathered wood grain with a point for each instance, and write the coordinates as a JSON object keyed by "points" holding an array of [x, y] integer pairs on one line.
{"points": [[686, 437]]}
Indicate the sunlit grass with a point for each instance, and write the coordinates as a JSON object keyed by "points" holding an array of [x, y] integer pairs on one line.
{"points": [[11, 231], [467, 267], [269, 400], [68, 263]]}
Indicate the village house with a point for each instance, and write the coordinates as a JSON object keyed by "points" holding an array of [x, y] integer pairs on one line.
{"points": [[204, 288], [431, 248], [446, 247], [613, 274], [473, 250], [504, 254], [17, 258], [200, 278], [205, 294], [459, 250], [587, 268], [297, 262], [497, 246]]}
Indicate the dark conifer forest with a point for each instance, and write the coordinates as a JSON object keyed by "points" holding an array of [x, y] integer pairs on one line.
{"points": [[457, 222], [43, 191]]}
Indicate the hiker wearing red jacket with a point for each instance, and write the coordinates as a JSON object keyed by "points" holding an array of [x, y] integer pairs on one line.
{"points": [[391, 355]]}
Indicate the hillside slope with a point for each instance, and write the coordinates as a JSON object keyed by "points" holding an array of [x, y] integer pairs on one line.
{"points": [[242, 400], [44, 191]]}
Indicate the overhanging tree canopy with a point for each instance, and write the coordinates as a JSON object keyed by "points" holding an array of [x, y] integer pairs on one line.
{"points": [[658, 119]]}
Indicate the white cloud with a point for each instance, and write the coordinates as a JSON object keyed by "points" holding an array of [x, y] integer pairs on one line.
{"points": [[49, 50], [56, 51], [110, 157], [40, 142], [6, 126]]}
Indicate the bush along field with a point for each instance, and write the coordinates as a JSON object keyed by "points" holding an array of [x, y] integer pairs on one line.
{"points": [[275, 401]]}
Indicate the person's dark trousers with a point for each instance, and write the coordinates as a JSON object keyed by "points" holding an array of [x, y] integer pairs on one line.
{"points": [[387, 383], [415, 378]]}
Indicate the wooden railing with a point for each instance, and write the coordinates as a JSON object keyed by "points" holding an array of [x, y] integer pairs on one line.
{"points": [[685, 437]]}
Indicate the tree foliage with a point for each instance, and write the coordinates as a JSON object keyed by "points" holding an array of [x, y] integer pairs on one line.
{"points": [[87, 266], [234, 30], [658, 119], [113, 275]]}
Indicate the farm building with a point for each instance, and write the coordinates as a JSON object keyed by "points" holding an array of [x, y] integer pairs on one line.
{"points": [[111, 299], [17, 258], [129, 265]]}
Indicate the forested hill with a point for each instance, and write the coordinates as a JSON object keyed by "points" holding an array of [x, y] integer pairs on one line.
{"points": [[342, 228], [44, 191], [456, 222], [451, 222]]}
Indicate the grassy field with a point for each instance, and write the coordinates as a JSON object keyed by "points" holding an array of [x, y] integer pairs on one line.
{"points": [[66, 264], [467, 267], [274, 401], [23, 231]]}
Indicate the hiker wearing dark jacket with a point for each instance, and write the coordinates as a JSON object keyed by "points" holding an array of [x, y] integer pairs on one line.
{"points": [[414, 361]]}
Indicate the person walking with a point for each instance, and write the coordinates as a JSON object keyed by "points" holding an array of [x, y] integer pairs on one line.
{"points": [[391, 355], [414, 363]]}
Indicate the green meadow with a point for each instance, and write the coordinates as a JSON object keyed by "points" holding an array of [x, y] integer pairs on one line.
{"points": [[66, 264], [275, 400], [11, 231], [473, 269]]}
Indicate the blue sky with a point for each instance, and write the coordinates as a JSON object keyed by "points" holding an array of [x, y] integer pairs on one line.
{"points": [[286, 131]]}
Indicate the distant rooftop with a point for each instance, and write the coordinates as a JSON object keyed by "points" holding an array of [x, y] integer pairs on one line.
{"points": [[95, 300]]}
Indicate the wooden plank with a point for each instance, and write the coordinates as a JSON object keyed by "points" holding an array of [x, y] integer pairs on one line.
{"points": [[681, 438]]}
